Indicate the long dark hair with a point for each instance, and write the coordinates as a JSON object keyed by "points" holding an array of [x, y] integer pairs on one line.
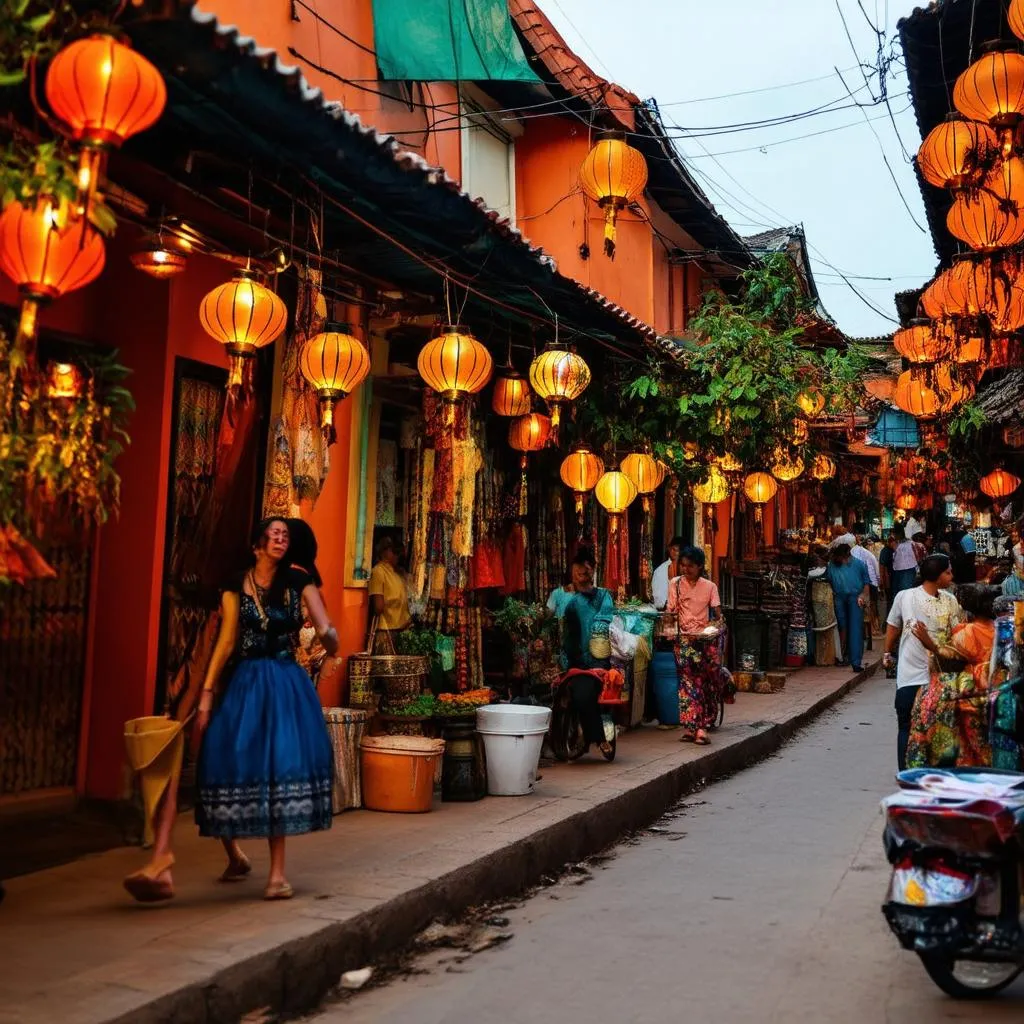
{"points": [[283, 573], [302, 549]]}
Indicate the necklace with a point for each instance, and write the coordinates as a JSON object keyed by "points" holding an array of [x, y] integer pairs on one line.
{"points": [[256, 590]]}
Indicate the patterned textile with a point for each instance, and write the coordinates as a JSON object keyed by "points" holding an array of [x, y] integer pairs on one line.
{"points": [[699, 664], [949, 726], [387, 482], [266, 764]]}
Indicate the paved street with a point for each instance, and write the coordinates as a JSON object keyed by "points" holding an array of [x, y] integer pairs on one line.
{"points": [[759, 902]]}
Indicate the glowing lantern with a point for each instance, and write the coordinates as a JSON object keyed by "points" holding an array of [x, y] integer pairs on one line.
{"points": [[760, 487], [982, 221], [920, 344], [243, 315], [613, 175], [1015, 18], [455, 365], [45, 259], [951, 389], [714, 489], [106, 93], [937, 300], [787, 469], [559, 377], [729, 463], [511, 394], [642, 469], [969, 350], [334, 363], [63, 381], [812, 402], [953, 153], [978, 287], [800, 432], [914, 395], [907, 501], [991, 90], [823, 468], [999, 484], [1006, 181], [527, 434], [580, 471], [158, 260], [615, 492]]}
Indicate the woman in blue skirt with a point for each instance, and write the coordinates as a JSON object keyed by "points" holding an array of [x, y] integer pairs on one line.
{"points": [[265, 766]]}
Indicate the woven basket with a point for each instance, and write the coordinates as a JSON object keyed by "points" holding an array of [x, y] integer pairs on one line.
{"points": [[402, 688], [360, 679], [387, 665]]}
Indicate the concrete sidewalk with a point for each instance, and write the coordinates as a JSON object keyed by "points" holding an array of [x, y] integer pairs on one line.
{"points": [[78, 951]]}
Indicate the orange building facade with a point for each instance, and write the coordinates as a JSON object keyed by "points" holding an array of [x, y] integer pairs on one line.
{"points": [[651, 287]]}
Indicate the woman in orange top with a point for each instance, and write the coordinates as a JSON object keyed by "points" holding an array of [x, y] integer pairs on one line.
{"points": [[949, 724]]}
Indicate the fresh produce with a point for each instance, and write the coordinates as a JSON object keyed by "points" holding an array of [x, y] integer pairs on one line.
{"points": [[451, 704], [422, 706]]}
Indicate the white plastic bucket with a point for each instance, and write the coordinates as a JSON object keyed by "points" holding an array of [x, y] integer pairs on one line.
{"points": [[513, 736]]}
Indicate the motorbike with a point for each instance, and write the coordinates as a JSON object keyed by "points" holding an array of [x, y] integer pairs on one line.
{"points": [[566, 731], [955, 840]]}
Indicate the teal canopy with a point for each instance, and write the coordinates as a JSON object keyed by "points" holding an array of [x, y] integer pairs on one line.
{"points": [[448, 41]]}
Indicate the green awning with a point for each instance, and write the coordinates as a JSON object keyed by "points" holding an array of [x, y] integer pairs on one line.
{"points": [[448, 41]]}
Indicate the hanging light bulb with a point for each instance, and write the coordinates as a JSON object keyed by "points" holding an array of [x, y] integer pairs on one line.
{"points": [[559, 376], [580, 471], [613, 175], [955, 152], [46, 259], [334, 364], [243, 315], [105, 92]]}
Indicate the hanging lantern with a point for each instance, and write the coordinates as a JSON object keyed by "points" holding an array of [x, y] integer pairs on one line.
{"points": [[580, 471], [63, 381], [511, 394], [559, 376], [615, 492], [991, 90], [642, 469], [811, 402], [999, 484], [759, 488], [969, 351], [1015, 18], [527, 434], [983, 221], [906, 501], [243, 315], [787, 469], [613, 175], [955, 152], [455, 365], [334, 364], [714, 489], [914, 395], [158, 260], [979, 287], [729, 463], [823, 467], [45, 259], [105, 92], [799, 432], [1006, 182], [1013, 437], [920, 343], [951, 387], [937, 300]]}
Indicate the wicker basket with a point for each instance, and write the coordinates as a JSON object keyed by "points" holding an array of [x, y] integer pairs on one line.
{"points": [[388, 665], [401, 689], [404, 725]]}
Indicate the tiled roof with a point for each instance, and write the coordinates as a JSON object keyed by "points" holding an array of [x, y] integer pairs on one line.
{"points": [[569, 70], [773, 240]]}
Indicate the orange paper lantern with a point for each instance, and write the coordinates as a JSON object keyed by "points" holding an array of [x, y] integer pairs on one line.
{"points": [[999, 484], [991, 90], [511, 394], [760, 487], [580, 471], [559, 376], [46, 259], [920, 343], [1015, 18], [529, 433], [984, 222], [823, 467], [714, 489], [953, 153], [334, 363], [455, 364], [614, 175]]}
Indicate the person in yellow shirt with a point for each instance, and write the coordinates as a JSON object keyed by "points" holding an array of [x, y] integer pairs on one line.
{"points": [[389, 595]]}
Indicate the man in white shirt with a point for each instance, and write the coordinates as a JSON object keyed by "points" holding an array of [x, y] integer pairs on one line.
{"points": [[665, 573], [928, 610]]}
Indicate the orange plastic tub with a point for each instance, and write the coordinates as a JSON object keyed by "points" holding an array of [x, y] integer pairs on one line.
{"points": [[398, 772]]}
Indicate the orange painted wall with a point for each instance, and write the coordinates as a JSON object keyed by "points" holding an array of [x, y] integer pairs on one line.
{"points": [[270, 23]]}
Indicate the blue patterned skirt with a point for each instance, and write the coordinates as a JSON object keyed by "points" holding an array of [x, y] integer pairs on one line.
{"points": [[266, 765]]}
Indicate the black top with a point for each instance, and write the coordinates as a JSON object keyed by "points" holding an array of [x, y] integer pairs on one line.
{"points": [[275, 633]]}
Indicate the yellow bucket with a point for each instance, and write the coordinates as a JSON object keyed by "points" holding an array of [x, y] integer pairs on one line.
{"points": [[155, 746]]}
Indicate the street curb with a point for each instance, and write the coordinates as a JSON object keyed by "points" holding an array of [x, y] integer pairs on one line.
{"points": [[295, 976]]}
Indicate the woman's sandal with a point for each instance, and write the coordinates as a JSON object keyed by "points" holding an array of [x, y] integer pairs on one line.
{"points": [[144, 885], [278, 891], [701, 739], [237, 870], [688, 737]]}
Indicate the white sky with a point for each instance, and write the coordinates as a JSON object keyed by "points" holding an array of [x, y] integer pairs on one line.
{"points": [[836, 184]]}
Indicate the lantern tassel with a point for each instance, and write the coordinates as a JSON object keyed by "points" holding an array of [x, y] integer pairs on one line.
{"points": [[25, 339], [524, 495], [609, 231], [327, 420], [556, 419], [580, 498]]}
